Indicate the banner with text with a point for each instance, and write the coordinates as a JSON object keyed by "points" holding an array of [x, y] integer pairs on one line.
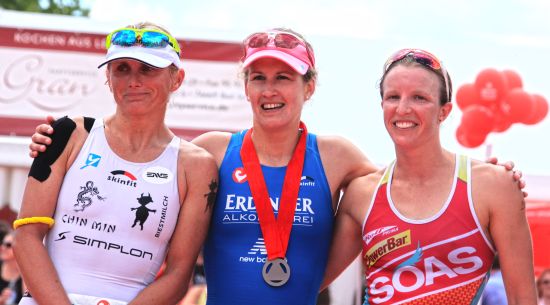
{"points": [[55, 73]]}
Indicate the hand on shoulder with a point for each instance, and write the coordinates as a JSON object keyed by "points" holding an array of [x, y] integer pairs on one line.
{"points": [[495, 193], [494, 181]]}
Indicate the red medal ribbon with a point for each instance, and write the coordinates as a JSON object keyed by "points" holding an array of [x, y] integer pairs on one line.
{"points": [[276, 232]]}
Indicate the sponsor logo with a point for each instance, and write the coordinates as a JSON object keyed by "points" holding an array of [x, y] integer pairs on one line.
{"points": [[258, 247], [106, 246], [85, 196], [307, 181], [92, 160], [239, 175], [256, 254], [157, 175], [420, 271], [241, 209], [384, 231], [163, 213], [386, 246], [122, 177], [142, 212], [62, 236]]}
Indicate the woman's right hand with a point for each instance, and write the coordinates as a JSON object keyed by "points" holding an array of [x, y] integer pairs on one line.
{"points": [[41, 138]]}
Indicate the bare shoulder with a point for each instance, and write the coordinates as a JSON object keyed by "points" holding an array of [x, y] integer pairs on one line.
{"points": [[80, 129], [212, 138], [343, 150], [76, 140], [343, 160], [338, 145], [493, 185], [492, 176], [193, 156], [214, 142]]}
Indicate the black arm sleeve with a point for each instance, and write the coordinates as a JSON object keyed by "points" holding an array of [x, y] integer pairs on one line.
{"points": [[63, 128]]}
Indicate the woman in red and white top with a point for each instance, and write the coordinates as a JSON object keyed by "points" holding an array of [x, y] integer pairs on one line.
{"points": [[430, 224]]}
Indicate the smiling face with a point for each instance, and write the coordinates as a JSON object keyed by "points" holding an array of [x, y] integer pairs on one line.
{"points": [[410, 102], [140, 88], [276, 93]]}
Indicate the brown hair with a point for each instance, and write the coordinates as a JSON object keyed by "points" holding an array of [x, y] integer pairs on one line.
{"points": [[409, 61]]}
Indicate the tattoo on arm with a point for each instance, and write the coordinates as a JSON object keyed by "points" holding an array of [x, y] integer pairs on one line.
{"points": [[211, 196]]}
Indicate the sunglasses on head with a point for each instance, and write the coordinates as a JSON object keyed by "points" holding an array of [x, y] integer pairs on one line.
{"points": [[148, 38], [283, 40], [422, 57]]}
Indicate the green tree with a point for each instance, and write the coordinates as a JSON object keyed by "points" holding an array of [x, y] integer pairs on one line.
{"points": [[61, 7]]}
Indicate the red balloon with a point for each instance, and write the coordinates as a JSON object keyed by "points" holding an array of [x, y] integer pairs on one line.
{"points": [[467, 95], [520, 104], [502, 119], [492, 87], [468, 139], [513, 79], [478, 120], [538, 111]]}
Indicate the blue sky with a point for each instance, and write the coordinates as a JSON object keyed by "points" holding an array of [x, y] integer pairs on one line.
{"points": [[352, 39]]}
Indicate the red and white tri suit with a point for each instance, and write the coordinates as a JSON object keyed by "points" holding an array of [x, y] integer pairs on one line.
{"points": [[444, 259]]}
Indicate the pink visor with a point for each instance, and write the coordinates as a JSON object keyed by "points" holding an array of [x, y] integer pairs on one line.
{"points": [[279, 45]]}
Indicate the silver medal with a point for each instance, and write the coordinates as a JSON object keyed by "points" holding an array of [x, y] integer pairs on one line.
{"points": [[276, 272]]}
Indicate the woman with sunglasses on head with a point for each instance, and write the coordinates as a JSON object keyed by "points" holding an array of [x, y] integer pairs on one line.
{"points": [[114, 198], [279, 184], [429, 224]]}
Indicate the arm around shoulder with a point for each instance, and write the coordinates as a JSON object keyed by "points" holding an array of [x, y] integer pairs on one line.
{"points": [[496, 193], [347, 238]]}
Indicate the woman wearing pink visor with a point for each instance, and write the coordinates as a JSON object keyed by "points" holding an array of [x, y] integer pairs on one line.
{"points": [[272, 222]]}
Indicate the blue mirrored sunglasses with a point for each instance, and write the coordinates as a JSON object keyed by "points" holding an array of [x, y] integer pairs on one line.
{"points": [[148, 38]]}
